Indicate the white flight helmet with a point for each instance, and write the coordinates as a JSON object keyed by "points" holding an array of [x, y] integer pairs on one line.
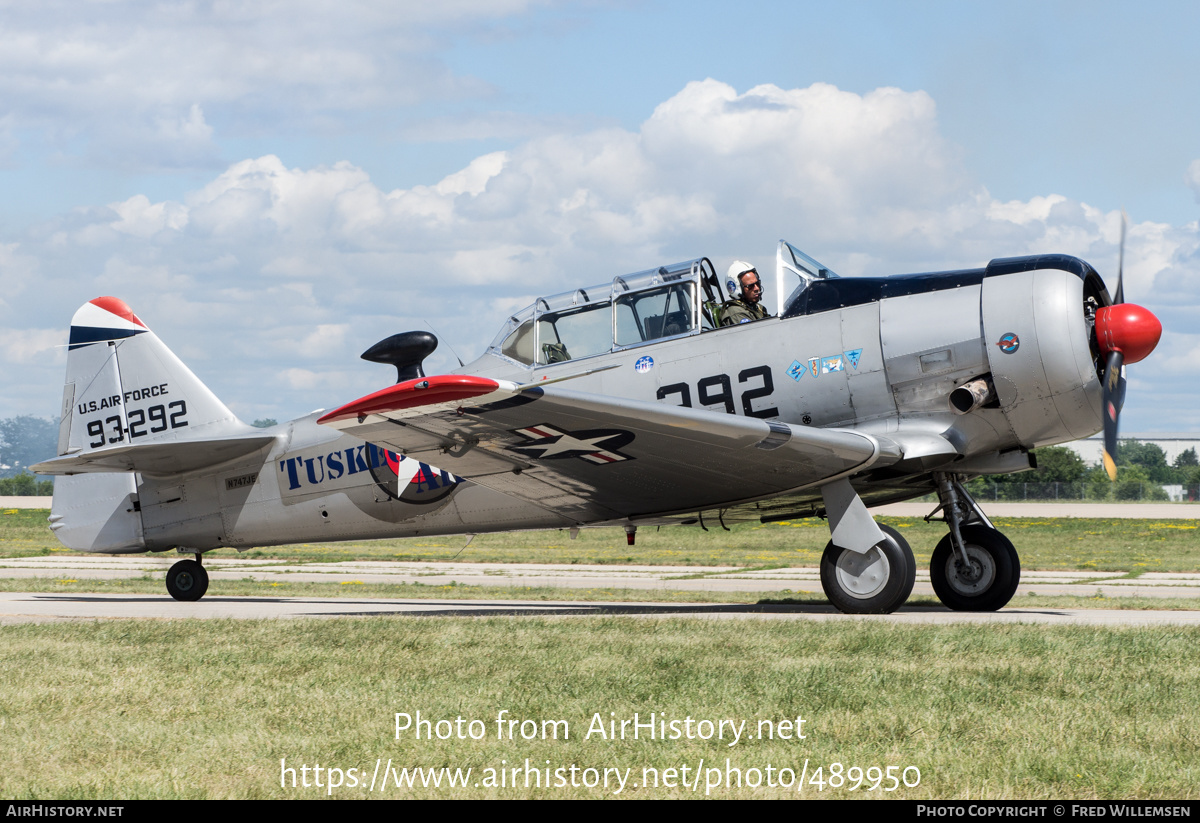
{"points": [[736, 269]]}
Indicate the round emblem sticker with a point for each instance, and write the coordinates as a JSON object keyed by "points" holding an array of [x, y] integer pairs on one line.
{"points": [[393, 474], [643, 364], [1009, 343]]}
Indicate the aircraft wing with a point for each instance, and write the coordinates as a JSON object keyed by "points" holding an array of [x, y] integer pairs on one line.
{"points": [[592, 457]]}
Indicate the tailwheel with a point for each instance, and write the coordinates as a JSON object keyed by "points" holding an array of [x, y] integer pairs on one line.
{"points": [[986, 581], [877, 582], [187, 580]]}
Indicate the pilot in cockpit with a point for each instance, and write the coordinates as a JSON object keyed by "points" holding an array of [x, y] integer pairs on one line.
{"points": [[745, 290]]}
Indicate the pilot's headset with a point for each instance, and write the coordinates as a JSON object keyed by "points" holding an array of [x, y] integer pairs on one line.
{"points": [[733, 283]]}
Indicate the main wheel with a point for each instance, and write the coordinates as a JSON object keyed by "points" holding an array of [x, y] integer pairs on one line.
{"points": [[877, 582], [984, 584], [187, 580]]}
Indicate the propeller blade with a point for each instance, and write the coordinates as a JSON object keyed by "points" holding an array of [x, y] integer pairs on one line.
{"points": [[1112, 398], [1119, 297]]}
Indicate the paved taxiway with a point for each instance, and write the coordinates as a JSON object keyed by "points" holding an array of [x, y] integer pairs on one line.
{"points": [[525, 575], [26, 607], [19, 607]]}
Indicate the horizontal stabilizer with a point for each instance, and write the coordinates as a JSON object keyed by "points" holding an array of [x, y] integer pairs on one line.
{"points": [[162, 458]]}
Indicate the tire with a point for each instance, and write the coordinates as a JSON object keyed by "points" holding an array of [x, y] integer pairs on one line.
{"points": [[187, 580], [878, 582], [996, 571]]}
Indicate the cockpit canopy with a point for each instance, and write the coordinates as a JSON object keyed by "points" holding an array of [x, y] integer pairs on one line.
{"points": [[635, 309]]}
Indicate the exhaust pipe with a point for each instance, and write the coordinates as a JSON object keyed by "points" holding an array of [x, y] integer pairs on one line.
{"points": [[970, 396]]}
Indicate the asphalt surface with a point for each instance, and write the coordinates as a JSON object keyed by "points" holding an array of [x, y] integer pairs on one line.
{"points": [[570, 576], [610, 580], [23, 607]]}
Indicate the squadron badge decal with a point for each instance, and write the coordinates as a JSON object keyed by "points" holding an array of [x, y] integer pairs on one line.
{"points": [[1009, 343], [832, 364], [394, 475], [825, 365]]}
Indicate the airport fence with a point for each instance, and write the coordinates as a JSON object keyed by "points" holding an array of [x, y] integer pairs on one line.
{"points": [[1121, 490]]}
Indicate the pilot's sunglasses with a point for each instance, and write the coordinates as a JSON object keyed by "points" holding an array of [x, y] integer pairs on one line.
{"points": [[757, 284]]}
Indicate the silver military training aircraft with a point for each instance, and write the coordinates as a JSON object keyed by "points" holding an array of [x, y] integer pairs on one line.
{"points": [[627, 404]]}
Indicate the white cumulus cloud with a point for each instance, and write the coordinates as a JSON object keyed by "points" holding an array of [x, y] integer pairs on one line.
{"points": [[24, 347], [132, 80], [276, 276], [1193, 178]]}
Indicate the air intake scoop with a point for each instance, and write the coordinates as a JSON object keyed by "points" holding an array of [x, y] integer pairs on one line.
{"points": [[406, 351]]}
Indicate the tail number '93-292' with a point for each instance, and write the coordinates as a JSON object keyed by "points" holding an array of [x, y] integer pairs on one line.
{"points": [[141, 423]]}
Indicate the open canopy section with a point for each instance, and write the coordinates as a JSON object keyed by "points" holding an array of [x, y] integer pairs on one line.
{"points": [[794, 270]]}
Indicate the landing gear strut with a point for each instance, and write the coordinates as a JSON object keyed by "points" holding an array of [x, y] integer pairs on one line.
{"points": [[187, 580], [867, 568], [974, 568]]}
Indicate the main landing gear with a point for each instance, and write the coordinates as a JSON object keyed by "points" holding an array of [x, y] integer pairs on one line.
{"points": [[974, 567], [187, 580]]}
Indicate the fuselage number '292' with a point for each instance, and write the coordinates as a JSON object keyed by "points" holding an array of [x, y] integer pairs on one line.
{"points": [[718, 389]]}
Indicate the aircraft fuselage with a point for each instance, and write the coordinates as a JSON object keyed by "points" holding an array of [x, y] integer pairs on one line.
{"points": [[883, 366]]}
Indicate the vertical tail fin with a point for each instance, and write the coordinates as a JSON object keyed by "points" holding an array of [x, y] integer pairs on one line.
{"points": [[124, 389], [125, 386]]}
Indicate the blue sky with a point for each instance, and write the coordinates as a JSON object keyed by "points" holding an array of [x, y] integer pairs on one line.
{"points": [[273, 187]]}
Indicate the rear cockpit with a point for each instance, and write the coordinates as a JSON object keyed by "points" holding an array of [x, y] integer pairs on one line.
{"points": [[669, 302], [632, 310]]}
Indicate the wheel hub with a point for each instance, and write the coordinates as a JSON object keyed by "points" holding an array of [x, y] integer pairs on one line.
{"points": [[974, 576], [184, 581], [863, 576]]}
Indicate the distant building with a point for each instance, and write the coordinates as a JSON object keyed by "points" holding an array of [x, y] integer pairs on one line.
{"points": [[1172, 444]]}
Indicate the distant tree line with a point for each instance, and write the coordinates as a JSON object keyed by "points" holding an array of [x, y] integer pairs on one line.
{"points": [[25, 485], [1142, 471], [26, 440]]}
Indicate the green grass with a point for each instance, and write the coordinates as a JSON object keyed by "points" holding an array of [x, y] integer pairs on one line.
{"points": [[1043, 544], [25, 533], [207, 709]]}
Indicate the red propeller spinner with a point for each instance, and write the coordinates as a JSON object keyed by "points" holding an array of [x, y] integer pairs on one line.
{"points": [[1128, 328]]}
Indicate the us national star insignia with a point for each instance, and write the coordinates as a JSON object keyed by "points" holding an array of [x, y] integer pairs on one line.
{"points": [[545, 442]]}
